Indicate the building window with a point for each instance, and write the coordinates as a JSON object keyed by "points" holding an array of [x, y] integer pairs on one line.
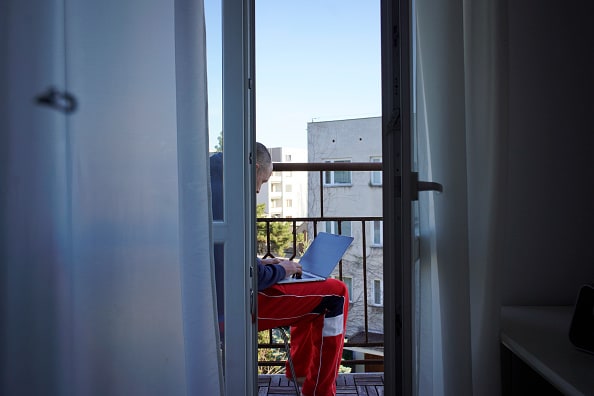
{"points": [[288, 158], [378, 296], [289, 203], [376, 176], [275, 187], [289, 188], [275, 203], [337, 178], [378, 232], [348, 281], [332, 227]]}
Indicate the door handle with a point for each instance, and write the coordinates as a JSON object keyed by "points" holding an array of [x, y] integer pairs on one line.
{"points": [[423, 186], [62, 101]]}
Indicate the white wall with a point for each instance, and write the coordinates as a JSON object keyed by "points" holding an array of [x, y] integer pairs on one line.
{"points": [[356, 140], [549, 236]]}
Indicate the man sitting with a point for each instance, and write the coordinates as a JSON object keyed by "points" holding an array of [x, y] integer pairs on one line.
{"points": [[315, 311]]}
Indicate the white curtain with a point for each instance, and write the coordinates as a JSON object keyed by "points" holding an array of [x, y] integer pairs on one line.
{"points": [[461, 132], [106, 269], [200, 318]]}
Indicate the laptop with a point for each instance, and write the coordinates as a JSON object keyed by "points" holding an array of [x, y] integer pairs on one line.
{"points": [[321, 257]]}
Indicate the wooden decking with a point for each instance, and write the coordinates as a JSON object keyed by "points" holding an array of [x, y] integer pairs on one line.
{"points": [[362, 384]]}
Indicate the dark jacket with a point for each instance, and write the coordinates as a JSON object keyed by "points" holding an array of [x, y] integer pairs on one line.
{"points": [[268, 275]]}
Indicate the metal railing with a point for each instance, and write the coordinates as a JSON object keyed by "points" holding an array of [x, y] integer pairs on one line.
{"points": [[312, 225]]}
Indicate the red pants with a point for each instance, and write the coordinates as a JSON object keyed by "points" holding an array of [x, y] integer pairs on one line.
{"points": [[317, 313]]}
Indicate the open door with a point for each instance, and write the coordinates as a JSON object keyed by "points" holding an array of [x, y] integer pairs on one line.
{"points": [[401, 188]]}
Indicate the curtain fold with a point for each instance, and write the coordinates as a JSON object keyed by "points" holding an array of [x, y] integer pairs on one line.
{"points": [[486, 126], [460, 124], [201, 333]]}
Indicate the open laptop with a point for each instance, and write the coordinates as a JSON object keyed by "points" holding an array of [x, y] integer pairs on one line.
{"points": [[321, 257]]}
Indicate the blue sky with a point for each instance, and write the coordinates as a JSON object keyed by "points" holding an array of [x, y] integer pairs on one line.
{"points": [[315, 61]]}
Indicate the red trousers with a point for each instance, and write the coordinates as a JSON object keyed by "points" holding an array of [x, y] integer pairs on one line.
{"points": [[317, 313]]}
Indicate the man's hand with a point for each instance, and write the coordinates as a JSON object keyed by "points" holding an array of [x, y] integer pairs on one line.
{"points": [[291, 267]]}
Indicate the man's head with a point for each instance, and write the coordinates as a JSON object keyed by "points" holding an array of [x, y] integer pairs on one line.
{"points": [[263, 165]]}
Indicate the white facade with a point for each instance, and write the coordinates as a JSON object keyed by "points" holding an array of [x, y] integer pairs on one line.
{"points": [[285, 193], [352, 194]]}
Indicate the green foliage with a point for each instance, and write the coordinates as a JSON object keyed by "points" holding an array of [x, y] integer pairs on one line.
{"points": [[219, 146], [281, 234], [270, 354], [279, 354]]}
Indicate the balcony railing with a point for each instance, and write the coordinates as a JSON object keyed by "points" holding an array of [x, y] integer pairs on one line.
{"points": [[365, 340]]}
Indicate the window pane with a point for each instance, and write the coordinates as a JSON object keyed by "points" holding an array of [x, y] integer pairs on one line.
{"points": [[376, 178], [377, 292], [349, 284], [346, 228], [342, 177], [377, 233]]}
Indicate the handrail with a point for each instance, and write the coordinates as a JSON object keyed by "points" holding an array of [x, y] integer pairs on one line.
{"points": [[326, 166]]}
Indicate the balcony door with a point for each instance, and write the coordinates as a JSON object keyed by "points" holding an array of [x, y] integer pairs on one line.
{"points": [[238, 131], [402, 217]]}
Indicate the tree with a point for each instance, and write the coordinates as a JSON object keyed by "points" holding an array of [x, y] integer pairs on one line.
{"points": [[270, 354], [281, 234], [219, 146]]}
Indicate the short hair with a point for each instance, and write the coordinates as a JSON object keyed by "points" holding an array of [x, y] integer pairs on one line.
{"points": [[262, 154]]}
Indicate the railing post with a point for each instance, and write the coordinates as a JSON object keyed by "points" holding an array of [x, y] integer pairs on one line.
{"points": [[322, 194]]}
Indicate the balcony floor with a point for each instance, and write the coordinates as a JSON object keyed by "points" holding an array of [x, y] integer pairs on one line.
{"points": [[363, 384]]}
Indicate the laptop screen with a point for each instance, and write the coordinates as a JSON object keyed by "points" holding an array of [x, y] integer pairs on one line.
{"points": [[324, 253]]}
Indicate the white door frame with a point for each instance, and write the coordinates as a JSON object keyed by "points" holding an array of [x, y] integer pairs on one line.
{"points": [[398, 191], [238, 230]]}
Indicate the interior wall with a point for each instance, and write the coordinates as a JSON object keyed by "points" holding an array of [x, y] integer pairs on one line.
{"points": [[550, 205]]}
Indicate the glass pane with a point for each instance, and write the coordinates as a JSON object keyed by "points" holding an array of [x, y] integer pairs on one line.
{"points": [[377, 233], [377, 292], [342, 177], [212, 13], [349, 284], [214, 45], [346, 228]]}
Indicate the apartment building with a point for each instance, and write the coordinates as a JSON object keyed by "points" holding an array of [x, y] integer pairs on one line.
{"points": [[285, 194], [352, 194]]}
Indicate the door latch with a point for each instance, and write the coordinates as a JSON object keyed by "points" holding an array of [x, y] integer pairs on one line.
{"points": [[422, 186]]}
